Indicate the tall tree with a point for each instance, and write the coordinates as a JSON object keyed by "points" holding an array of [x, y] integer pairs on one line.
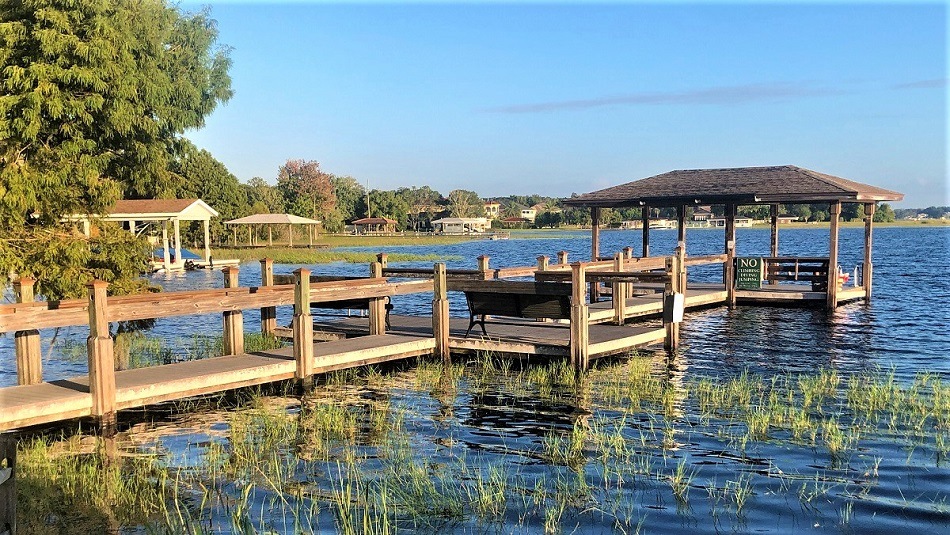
{"points": [[263, 197], [94, 98], [204, 177], [306, 189], [464, 203]]}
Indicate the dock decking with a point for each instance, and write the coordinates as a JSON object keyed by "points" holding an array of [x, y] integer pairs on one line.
{"points": [[41, 403]]}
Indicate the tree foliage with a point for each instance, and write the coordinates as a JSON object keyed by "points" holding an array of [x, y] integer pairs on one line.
{"points": [[94, 98], [465, 203], [306, 189], [205, 178]]}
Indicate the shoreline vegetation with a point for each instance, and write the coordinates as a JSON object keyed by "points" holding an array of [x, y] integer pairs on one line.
{"points": [[327, 247], [353, 455]]}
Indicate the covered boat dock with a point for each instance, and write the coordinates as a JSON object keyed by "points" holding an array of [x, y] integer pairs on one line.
{"points": [[786, 278]]}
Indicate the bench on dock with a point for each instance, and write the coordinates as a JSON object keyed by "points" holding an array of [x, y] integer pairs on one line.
{"points": [[525, 300], [361, 304]]}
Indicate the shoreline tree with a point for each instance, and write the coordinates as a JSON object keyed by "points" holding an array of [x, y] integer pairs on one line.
{"points": [[95, 96]]}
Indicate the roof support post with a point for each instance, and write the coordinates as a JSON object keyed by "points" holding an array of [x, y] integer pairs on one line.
{"points": [[594, 234], [729, 269], [290, 232], [868, 268], [645, 228], [618, 292], [177, 227], [270, 235], [834, 210], [166, 254], [207, 239], [681, 226], [773, 250]]}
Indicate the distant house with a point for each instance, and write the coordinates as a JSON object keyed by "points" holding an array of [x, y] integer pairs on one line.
{"points": [[702, 213], [492, 210], [460, 225], [514, 222], [370, 225], [721, 222], [529, 213], [785, 219]]}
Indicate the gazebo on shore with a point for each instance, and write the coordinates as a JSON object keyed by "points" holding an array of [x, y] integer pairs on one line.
{"points": [[732, 187], [369, 225], [269, 220]]}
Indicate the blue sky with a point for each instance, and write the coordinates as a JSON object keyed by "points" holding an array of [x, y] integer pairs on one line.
{"points": [[521, 98]]}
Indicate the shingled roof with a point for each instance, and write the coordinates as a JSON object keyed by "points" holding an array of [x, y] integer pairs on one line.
{"points": [[741, 185]]}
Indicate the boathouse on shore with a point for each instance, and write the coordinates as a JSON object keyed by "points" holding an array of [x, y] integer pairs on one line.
{"points": [[742, 186]]}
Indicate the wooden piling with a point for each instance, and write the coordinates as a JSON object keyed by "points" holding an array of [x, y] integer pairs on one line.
{"points": [[671, 341], [645, 229], [619, 292], [562, 257], [101, 358], [377, 305], [302, 328], [8, 499], [773, 250], [868, 268], [440, 315], [834, 212], [233, 341], [729, 269], [680, 254], [580, 350], [383, 259], [268, 314], [29, 357]]}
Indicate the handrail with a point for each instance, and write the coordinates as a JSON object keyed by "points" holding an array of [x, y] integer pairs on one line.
{"points": [[48, 314], [707, 259]]}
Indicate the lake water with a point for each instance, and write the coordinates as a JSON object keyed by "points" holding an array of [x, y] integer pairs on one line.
{"points": [[892, 479]]}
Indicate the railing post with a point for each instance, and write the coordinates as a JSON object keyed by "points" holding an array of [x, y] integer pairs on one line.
{"points": [[543, 264], [580, 350], [681, 269], [8, 483], [233, 341], [268, 314], [628, 252], [483, 266], [29, 361], [729, 269], [383, 260], [101, 358], [377, 305], [619, 293], [440, 314], [562, 257], [302, 327]]}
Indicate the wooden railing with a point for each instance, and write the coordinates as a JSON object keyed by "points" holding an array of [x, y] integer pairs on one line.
{"points": [[813, 270]]}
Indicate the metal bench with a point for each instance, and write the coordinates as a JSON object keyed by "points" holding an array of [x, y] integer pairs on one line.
{"points": [[482, 304]]}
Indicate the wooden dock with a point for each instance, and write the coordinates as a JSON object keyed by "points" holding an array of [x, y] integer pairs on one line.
{"points": [[104, 391]]}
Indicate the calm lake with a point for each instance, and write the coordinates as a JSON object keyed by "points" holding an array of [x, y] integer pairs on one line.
{"points": [[507, 428]]}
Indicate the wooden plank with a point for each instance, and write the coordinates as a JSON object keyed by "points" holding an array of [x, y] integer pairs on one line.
{"points": [[620, 345], [707, 259]]}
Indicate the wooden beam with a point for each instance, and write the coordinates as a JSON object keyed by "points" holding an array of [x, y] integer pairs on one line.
{"points": [[233, 320], [440, 315], [302, 326], [101, 358], [834, 211], [268, 314], [29, 356], [868, 268]]}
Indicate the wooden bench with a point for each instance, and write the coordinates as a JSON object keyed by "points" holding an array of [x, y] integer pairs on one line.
{"points": [[528, 300], [351, 304]]}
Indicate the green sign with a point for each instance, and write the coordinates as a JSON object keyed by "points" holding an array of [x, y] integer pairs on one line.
{"points": [[749, 273]]}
